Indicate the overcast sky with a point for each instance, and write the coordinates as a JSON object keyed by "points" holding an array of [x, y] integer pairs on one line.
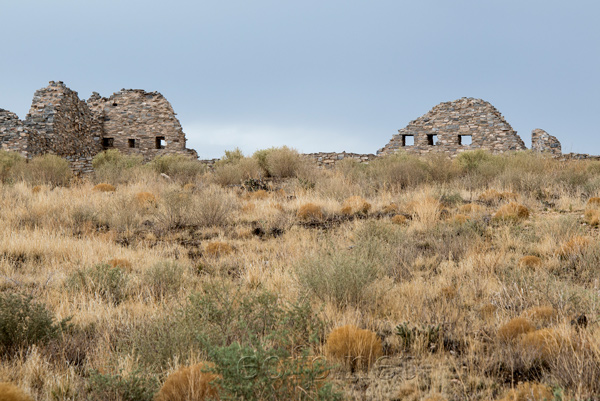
{"points": [[316, 75]]}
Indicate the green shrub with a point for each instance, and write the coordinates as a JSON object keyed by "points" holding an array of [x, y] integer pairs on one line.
{"points": [[342, 277], [181, 168], [7, 161], [133, 387], [163, 279], [111, 166], [213, 207], [47, 169], [24, 322], [397, 171], [230, 157], [107, 281], [236, 171], [284, 162]]}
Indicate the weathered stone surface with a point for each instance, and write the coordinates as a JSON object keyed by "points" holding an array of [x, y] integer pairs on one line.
{"points": [[138, 122], [543, 142], [63, 125], [14, 136], [133, 121], [448, 126]]}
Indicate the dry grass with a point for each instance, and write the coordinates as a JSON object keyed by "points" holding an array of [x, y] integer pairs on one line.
{"points": [[529, 392], [145, 199], [218, 248], [530, 262], [573, 247], [514, 329], [353, 347], [541, 314], [10, 392], [103, 187], [192, 383], [454, 283], [310, 211], [355, 204], [492, 196], [512, 212]]}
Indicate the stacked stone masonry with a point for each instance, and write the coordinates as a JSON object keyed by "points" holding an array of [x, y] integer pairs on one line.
{"points": [[144, 123], [138, 122], [133, 121], [543, 142], [454, 127]]}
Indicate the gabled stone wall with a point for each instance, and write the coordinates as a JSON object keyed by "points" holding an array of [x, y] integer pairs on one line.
{"points": [[139, 122], [449, 126]]}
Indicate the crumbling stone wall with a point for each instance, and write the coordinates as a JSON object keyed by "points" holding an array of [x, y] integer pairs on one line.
{"points": [[330, 159], [139, 122], [449, 126], [63, 125], [543, 142], [14, 136]]}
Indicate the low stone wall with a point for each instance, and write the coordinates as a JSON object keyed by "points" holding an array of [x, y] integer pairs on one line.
{"points": [[330, 159]]}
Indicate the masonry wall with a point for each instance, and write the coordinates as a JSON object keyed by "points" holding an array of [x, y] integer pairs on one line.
{"points": [[14, 136], [63, 125], [543, 142], [139, 122], [449, 126]]}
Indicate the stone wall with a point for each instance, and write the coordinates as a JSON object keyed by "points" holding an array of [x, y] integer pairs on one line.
{"points": [[330, 159], [63, 125], [449, 126], [14, 136], [139, 122], [543, 142]]}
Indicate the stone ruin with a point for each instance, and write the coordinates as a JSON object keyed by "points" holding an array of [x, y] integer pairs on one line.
{"points": [[144, 123], [454, 127], [133, 121]]}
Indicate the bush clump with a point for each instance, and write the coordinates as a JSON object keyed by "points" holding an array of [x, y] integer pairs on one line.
{"points": [[10, 392], [24, 322], [181, 168], [514, 329], [7, 161], [116, 168], [530, 262], [310, 211], [104, 187], [190, 383], [132, 387], [105, 280], [512, 212], [163, 279], [353, 347], [44, 170]]}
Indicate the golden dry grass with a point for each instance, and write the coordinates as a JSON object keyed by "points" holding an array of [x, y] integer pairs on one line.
{"points": [[10, 392], [218, 248], [399, 219], [355, 204], [103, 187], [514, 328], [145, 199], [541, 314], [530, 262], [353, 346], [574, 246], [529, 392], [190, 383], [310, 211], [471, 208], [512, 212]]}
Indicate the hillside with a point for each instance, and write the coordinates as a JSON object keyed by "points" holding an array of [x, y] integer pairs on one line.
{"points": [[474, 278]]}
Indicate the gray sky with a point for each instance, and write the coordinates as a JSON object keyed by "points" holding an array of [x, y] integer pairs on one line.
{"points": [[326, 75]]}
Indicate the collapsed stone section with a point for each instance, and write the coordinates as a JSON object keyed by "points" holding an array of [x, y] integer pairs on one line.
{"points": [[138, 122], [454, 127], [543, 142], [14, 136], [63, 125]]}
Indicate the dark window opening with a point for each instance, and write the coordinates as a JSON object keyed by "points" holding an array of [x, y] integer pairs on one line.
{"points": [[160, 142], [431, 139], [464, 140], [108, 142], [131, 143], [114, 104], [408, 140]]}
